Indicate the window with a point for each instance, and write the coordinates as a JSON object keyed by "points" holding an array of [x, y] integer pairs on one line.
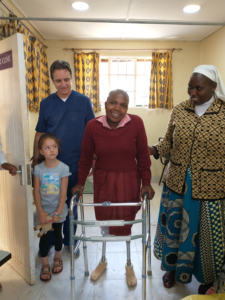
{"points": [[129, 74]]}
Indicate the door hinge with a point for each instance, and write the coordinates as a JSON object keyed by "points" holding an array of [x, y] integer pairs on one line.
{"points": [[29, 179]]}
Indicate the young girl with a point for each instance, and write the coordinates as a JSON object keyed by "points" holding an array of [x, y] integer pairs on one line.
{"points": [[50, 188]]}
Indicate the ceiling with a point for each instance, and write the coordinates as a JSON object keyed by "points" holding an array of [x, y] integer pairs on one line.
{"points": [[171, 10]]}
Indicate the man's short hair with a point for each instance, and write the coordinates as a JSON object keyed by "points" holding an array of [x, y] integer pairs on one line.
{"points": [[59, 65]]}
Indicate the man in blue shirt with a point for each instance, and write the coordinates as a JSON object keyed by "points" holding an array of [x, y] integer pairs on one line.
{"points": [[64, 114]]}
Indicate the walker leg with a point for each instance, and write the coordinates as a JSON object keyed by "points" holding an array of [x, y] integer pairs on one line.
{"points": [[103, 259], [144, 248], [86, 272], [72, 265], [128, 254], [149, 240], [144, 271]]}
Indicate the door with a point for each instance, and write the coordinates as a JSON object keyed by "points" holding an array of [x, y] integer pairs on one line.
{"points": [[16, 201]]}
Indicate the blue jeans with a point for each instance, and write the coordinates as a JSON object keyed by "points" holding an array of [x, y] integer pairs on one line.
{"points": [[66, 225]]}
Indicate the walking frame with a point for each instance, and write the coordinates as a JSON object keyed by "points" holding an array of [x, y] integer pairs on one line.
{"points": [[146, 236]]}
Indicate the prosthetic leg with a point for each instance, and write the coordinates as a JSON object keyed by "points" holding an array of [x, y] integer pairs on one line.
{"points": [[131, 278], [97, 273]]}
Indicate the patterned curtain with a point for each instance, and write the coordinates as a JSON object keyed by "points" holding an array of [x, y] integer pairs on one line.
{"points": [[43, 82], [87, 76], [160, 95], [36, 66]]}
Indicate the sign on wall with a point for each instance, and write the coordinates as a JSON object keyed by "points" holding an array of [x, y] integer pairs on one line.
{"points": [[6, 60]]}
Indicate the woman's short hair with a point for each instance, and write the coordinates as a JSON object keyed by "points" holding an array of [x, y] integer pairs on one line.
{"points": [[59, 65]]}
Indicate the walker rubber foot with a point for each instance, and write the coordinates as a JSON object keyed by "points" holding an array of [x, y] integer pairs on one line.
{"points": [[149, 273], [86, 273]]}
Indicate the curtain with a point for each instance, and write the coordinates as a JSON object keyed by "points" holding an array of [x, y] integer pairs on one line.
{"points": [[86, 67], [43, 81], [160, 95], [36, 66]]}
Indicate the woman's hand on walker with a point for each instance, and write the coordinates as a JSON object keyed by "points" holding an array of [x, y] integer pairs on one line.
{"points": [[78, 188], [148, 189]]}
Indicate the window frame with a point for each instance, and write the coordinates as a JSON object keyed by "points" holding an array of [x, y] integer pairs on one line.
{"points": [[135, 58]]}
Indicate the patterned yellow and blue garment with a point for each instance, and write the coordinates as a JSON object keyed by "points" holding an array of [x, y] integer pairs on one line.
{"points": [[190, 235]]}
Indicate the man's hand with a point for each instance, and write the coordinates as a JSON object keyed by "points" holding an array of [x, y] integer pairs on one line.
{"points": [[149, 190], [78, 188], [11, 168]]}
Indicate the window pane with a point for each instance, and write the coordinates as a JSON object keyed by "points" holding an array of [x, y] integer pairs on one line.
{"points": [[104, 88], [122, 67], [122, 84], [140, 83], [104, 67], [141, 99], [130, 83], [140, 67], [148, 67], [130, 66], [147, 83], [122, 76], [114, 83], [131, 99], [114, 66]]}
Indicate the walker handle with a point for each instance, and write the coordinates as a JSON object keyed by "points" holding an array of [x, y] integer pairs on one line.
{"points": [[77, 194], [146, 195]]}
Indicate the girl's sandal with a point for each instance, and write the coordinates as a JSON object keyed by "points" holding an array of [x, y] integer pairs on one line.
{"points": [[57, 264], [45, 273]]}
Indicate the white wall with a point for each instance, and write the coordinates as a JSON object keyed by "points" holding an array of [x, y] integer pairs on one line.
{"points": [[212, 51]]}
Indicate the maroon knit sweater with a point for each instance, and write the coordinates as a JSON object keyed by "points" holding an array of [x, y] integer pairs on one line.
{"points": [[118, 150]]}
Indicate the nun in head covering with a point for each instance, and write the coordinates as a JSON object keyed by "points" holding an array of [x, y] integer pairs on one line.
{"points": [[190, 235]]}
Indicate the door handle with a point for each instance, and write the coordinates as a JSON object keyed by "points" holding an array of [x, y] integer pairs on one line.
{"points": [[21, 173]]}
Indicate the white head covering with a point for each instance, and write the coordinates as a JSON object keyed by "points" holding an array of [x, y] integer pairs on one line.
{"points": [[212, 73]]}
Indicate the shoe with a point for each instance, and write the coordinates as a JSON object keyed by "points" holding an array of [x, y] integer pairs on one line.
{"points": [[0, 287], [76, 254], [49, 249], [45, 273], [57, 264], [203, 288]]}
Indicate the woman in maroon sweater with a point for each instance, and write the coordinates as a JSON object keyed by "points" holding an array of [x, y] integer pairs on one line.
{"points": [[119, 141]]}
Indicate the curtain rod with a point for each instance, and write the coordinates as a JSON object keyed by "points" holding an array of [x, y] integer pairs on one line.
{"points": [[15, 18], [118, 21], [153, 49]]}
